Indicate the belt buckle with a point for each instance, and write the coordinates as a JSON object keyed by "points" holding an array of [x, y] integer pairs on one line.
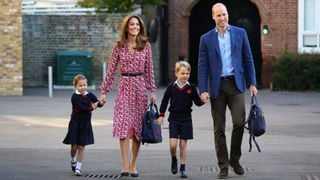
{"points": [[225, 78]]}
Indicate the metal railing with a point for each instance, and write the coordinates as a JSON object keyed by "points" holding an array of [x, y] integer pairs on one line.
{"points": [[56, 9], [31, 7]]}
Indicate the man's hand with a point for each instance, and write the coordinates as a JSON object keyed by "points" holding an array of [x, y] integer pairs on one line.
{"points": [[253, 90], [204, 97]]}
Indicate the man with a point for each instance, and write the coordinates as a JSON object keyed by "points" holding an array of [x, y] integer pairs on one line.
{"points": [[225, 61]]}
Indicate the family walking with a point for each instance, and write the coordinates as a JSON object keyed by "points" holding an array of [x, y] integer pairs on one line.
{"points": [[225, 69]]}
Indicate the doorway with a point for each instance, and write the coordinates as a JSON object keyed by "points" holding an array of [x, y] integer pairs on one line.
{"points": [[242, 13]]}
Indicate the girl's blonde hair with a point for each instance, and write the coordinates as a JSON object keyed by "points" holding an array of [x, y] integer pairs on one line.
{"points": [[180, 64], [77, 78], [142, 38]]}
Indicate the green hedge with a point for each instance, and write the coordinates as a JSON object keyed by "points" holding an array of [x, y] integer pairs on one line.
{"points": [[297, 72]]}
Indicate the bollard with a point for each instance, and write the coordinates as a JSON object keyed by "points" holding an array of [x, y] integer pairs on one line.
{"points": [[50, 81], [104, 67]]}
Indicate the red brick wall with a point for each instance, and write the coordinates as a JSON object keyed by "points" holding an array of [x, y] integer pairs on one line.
{"points": [[178, 32], [280, 16], [282, 20]]}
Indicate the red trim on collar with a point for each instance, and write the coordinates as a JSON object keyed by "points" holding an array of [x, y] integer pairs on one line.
{"points": [[180, 89]]}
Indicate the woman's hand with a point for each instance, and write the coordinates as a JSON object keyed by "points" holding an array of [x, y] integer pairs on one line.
{"points": [[102, 101], [159, 121], [153, 98], [102, 98]]}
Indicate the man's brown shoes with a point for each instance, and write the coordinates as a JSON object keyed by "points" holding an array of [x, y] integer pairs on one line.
{"points": [[237, 168], [223, 174]]}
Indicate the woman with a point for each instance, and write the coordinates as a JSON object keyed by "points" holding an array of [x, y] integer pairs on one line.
{"points": [[133, 53]]}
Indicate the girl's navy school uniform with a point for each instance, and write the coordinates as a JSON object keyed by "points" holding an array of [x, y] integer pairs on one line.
{"points": [[80, 127], [181, 101]]}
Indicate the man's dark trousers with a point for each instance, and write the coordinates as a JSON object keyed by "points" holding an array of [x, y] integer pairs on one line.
{"points": [[230, 96]]}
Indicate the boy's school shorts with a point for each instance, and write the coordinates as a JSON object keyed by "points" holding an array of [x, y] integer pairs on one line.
{"points": [[180, 129]]}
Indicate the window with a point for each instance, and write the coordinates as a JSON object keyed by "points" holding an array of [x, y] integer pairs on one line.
{"points": [[309, 26]]}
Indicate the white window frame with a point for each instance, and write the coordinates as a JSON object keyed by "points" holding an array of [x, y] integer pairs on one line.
{"points": [[302, 32]]}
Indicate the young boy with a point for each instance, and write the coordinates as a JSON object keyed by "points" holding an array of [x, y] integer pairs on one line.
{"points": [[181, 94]]}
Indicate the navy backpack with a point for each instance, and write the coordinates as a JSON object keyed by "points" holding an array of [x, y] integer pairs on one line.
{"points": [[256, 123], [151, 131]]}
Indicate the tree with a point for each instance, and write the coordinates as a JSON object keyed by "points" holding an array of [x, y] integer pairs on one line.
{"points": [[116, 6]]}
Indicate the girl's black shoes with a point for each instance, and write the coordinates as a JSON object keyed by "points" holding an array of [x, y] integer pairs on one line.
{"points": [[77, 172], [73, 166]]}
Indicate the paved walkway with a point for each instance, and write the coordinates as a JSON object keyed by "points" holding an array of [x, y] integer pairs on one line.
{"points": [[33, 126]]}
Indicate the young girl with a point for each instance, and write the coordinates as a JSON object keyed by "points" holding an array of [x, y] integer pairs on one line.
{"points": [[80, 129], [181, 94]]}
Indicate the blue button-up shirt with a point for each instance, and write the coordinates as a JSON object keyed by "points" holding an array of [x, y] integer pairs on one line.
{"points": [[225, 51]]}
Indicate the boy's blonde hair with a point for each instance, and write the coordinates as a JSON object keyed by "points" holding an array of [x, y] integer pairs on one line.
{"points": [[77, 78], [180, 64]]}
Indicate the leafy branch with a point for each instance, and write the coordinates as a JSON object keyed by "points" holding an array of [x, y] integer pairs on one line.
{"points": [[116, 6]]}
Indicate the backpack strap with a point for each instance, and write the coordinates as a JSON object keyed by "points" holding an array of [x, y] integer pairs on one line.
{"points": [[252, 137], [255, 142], [257, 145]]}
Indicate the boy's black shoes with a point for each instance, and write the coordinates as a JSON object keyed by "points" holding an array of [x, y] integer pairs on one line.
{"points": [[183, 174], [174, 166]]}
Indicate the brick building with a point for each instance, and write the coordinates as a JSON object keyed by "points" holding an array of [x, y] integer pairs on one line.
{"points": [[293, 26], [10, 48], [288, 29]]}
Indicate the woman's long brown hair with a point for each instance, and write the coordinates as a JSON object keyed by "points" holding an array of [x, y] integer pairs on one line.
{"points": [[141, 37]]}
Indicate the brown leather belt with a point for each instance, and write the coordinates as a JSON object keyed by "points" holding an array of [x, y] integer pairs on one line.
{"points": [[227, 78]]}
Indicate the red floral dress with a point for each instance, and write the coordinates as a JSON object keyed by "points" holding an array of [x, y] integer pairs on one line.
{"points": [[131, 100]]}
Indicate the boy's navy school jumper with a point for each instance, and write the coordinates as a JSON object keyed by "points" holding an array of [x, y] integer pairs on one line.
{"points": [[80, 128], [181, 100]]}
